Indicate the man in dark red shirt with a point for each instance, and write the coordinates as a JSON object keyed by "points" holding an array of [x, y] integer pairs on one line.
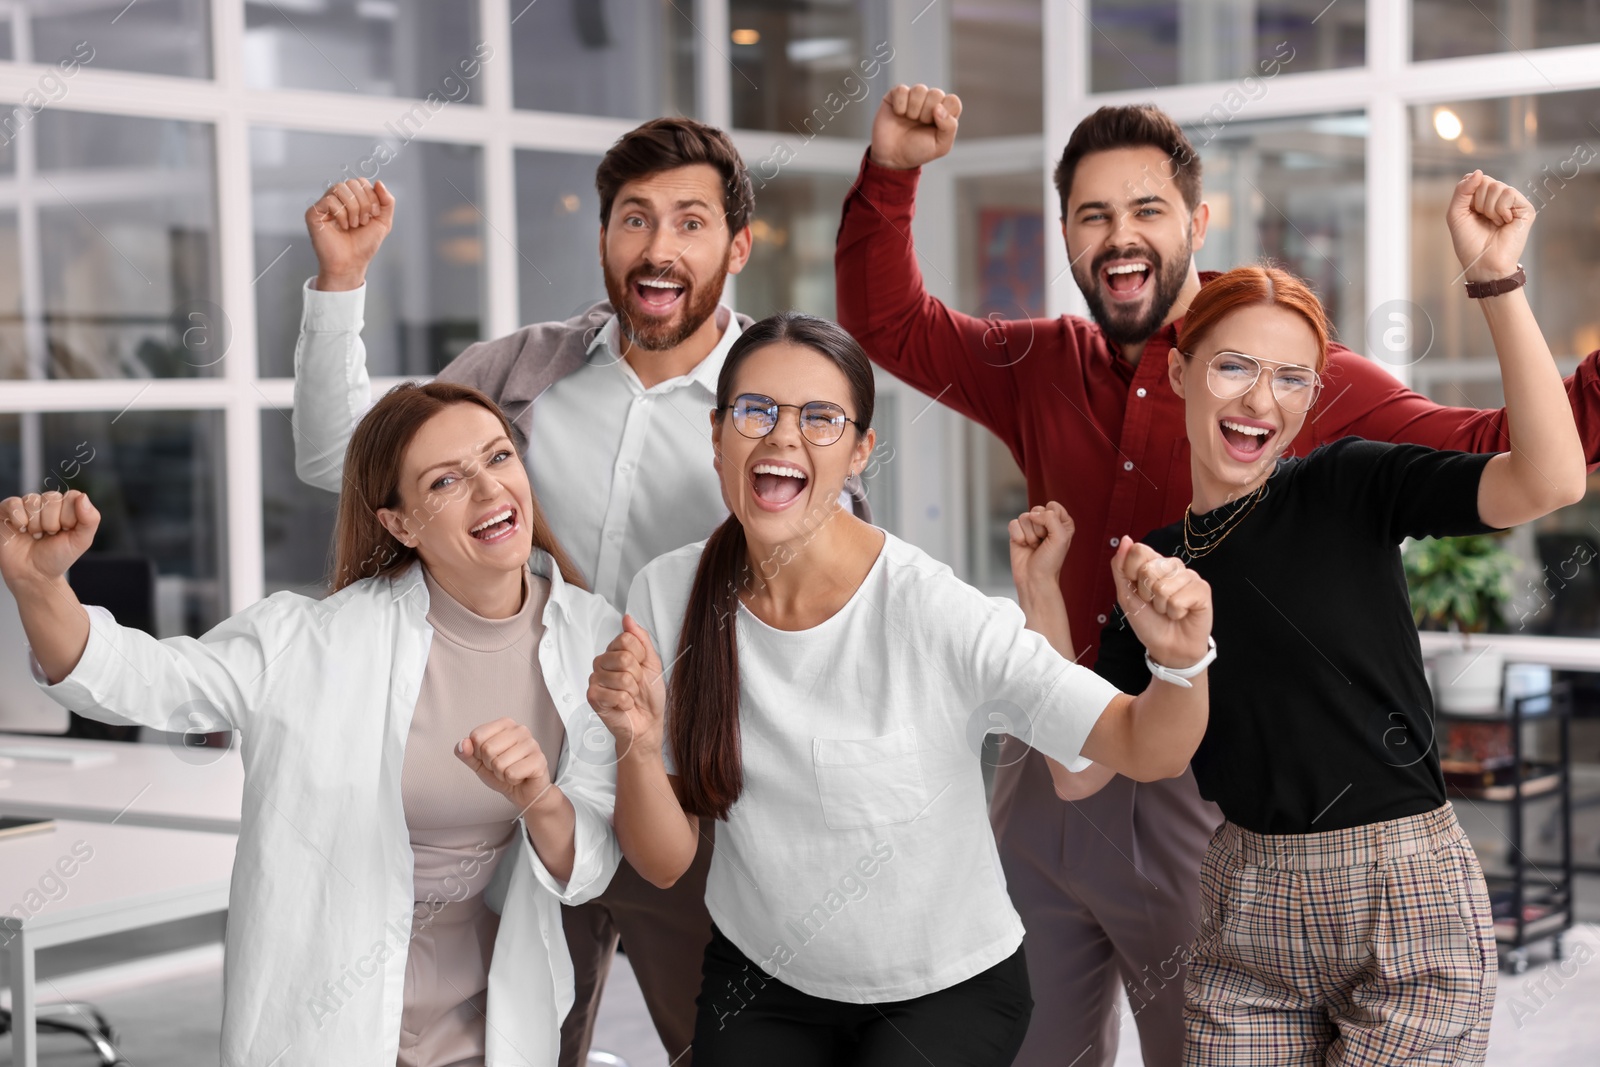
{"points": [[1108, 886]]}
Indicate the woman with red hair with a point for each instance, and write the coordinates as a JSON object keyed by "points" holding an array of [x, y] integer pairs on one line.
{"points": [[1345, 915]]}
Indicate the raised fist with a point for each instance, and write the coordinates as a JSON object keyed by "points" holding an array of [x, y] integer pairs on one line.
{"points": [[347, 225], [1489, 222], [914, 125], [1167, 604], [42, 534], [1040, 538]]}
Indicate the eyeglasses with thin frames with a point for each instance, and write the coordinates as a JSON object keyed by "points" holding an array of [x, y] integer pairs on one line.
{"points": [[821, 422], [1230, 375]]}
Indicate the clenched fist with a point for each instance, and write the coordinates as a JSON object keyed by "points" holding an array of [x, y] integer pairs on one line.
{"points": [[914, 125], [1040, 538], [1489, 222], [508, 760], [43, 534], [347, 225], [627, 691], [1167, 604]]}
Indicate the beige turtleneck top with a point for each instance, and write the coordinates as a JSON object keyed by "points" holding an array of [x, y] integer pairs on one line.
{"points": [[478, 670]]}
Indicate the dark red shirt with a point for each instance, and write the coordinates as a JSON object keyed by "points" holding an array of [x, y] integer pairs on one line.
{"points": [[1103, 438]]}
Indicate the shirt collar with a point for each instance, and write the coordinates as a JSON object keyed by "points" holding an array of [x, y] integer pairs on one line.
{"points": [[704, 374], [543, 564]]}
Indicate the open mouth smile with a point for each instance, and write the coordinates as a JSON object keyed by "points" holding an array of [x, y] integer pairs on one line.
{"points": [[658, 296], [1126, 279], [498, 525], [776, 484], [1245, 440]]}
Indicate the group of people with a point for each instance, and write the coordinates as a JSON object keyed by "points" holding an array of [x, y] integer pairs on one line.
{"points": [[613, 652]]}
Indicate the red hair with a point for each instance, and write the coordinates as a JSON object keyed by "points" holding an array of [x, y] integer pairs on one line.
{"points": [[1253, 286]]}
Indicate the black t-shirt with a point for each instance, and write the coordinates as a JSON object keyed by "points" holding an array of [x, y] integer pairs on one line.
{"points": [[1321, 717]]}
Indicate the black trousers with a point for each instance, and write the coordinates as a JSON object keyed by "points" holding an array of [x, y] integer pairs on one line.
{"points": [[746, 1017]]}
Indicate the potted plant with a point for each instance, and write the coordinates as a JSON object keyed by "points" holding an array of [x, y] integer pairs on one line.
{"points": [[1461, 584]]}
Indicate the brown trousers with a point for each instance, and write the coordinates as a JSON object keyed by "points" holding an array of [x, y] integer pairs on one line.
{"points": [[665, 933], [1109, 893]]}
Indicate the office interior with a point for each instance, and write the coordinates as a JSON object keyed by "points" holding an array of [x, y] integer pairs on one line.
{"points": [[157, 157]]}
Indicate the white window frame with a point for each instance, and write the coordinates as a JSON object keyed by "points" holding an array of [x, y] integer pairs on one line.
{"points": [[932, 447]]}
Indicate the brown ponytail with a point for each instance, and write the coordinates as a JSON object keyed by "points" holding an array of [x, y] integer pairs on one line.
{"points": [[703, 693], [704, 732]]}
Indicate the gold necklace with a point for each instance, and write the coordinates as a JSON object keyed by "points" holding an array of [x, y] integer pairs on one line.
{"points": [[1227, 526]]}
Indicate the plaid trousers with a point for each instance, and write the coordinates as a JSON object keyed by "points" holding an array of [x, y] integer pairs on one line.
{"points": [[1372, 945]]}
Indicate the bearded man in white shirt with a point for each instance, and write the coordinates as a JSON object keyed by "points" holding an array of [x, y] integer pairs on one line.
{"points": [[611, 408]]}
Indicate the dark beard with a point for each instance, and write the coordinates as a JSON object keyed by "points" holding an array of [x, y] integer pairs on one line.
{"points": [[651, 335], [1130, 328]]}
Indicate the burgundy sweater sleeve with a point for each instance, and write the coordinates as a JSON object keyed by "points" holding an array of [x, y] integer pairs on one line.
{"points": [[962, 361], [1364, 399]]}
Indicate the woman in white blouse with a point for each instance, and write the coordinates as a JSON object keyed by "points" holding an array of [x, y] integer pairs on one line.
{"points": [[359, 930], [829, 691]]}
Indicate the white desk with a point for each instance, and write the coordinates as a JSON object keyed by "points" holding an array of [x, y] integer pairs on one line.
{"points": [[143, 785], [1561, 653], [105, 879]]}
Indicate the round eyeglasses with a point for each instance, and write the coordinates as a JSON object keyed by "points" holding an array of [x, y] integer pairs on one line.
{"points": [[821, 422], [1230, 375]]}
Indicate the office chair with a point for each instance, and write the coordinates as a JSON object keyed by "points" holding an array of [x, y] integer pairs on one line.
{"points": [[95, 1029]]}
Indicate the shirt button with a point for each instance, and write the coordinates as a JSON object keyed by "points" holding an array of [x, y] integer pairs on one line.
{"points": [[1114, 541], [615, 535], [624, 467], [1139, 391], [1128, 466], [1100, 619]]}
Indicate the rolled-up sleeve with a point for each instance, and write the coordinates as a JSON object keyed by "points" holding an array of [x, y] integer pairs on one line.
{"points": [[589, 782]]}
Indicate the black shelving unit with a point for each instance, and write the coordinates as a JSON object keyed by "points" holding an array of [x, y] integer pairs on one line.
{"points": [[1531, 902]]}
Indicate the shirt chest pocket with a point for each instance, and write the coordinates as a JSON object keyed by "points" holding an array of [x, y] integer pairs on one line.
{"points": [[871, 781]]}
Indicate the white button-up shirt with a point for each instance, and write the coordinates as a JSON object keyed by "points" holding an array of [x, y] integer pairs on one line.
{"points": [[321, 903], [624, 473]]}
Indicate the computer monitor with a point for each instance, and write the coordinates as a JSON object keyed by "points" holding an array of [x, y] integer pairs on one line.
{"points": [[23, 708], [123, 585]]}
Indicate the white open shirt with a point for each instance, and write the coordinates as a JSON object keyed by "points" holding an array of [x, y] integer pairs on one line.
{"points": [[858, 865], [320, 908]]}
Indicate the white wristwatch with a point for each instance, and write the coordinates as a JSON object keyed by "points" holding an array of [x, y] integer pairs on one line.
{"points": [[1180, 677]]}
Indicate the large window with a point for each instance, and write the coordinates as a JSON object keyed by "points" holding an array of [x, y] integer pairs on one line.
{"points": [[1545, 145], [380, 49], [1446, 28], [425, 287], [1144, 44], [157, 160], [1292, 191], [597, 57]]}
